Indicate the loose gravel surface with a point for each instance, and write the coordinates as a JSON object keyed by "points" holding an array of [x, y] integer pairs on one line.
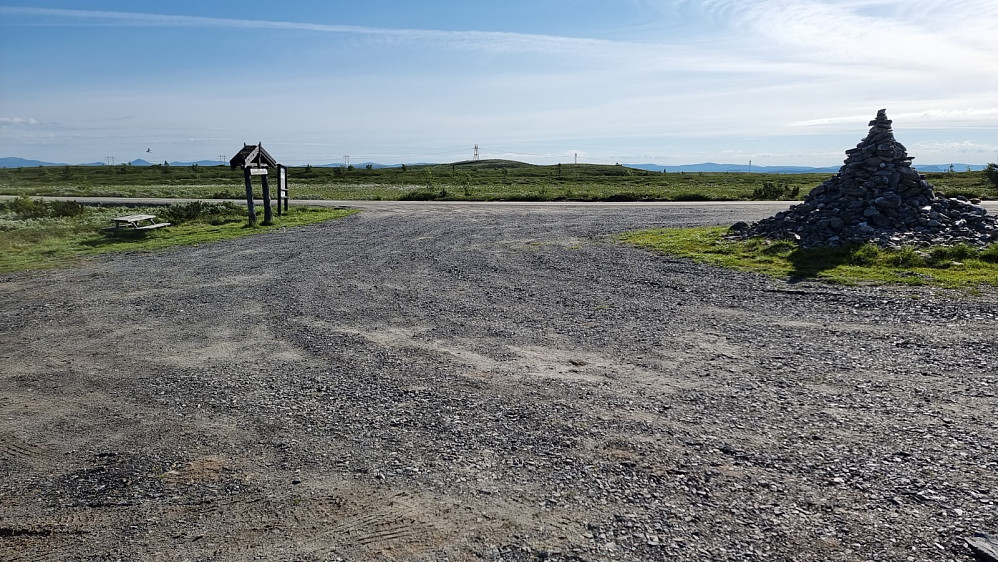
{"points": [[488, 382]]}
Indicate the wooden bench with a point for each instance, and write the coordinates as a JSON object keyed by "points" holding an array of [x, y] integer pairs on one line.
{"points": [[137, 222]]}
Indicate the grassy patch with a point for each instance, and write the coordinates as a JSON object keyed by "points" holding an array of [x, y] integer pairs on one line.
{"points": [[484, 180], [37, 235], [951, 267]]}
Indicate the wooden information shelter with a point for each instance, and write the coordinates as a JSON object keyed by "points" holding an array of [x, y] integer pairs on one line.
{"points": [[255, 161]]}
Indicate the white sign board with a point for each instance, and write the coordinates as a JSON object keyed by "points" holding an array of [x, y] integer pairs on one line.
{"points": [[258, 171]]}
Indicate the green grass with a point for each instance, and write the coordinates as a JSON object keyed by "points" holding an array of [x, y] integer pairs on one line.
{"points": [[959, 267], [42, 240], [486, 180]]}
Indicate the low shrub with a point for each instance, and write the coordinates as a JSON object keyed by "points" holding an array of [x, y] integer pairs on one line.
{"points": [[771, 191], [26, 208], [199, 211], [66, 209], [865, 255], [991, 174], [422, 195], [907, 257], [943, 254]]}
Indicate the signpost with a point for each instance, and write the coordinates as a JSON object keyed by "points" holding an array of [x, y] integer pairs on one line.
{"points": [[282, 187], [255, 161]]}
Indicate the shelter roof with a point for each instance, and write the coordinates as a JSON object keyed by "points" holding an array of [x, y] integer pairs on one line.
{"points": [[252, 155]]}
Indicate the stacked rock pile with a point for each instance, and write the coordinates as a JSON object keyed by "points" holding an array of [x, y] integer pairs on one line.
{"points": [[877, 196]]}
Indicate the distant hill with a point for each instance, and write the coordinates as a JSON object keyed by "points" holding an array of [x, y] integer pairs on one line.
{"points": [[201, 163], [141, 162], [13, 162], [363, 165], [706, 167], [711, 167], [946, 167]]}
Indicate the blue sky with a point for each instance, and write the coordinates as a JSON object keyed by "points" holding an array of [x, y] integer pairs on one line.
{"points": [[630, 81]]}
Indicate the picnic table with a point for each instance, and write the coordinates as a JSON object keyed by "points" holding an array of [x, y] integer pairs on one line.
{"points": [[137, 222]]}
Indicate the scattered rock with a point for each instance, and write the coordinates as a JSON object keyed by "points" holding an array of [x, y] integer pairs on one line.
{"points": [[985, 547]]}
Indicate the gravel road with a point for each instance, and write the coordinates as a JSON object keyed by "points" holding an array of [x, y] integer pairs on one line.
{"points": [[488, 382]]}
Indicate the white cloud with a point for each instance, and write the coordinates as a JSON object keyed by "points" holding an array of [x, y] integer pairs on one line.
{"points": [[892, 35], [955, 147], [915, 119], [13, 121]]}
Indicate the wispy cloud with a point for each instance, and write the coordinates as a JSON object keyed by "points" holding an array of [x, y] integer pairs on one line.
{"points": [[663, 55], [502, 41], [955, 147], [14, 121], [891, 34], [912, 118]]}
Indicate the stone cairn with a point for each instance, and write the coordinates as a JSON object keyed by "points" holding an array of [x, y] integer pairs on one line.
{"points": [[877, 197]]}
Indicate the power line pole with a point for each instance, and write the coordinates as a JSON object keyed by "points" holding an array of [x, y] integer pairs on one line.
{"points": [[221, 159], [346, 160], [476, 154], [576, 157]]}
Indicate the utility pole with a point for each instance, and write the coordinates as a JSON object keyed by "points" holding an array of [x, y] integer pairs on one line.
{"points": [[110, 160], [750, 166], [576, 157], [221, 159], [476, 154], [346, 160]]}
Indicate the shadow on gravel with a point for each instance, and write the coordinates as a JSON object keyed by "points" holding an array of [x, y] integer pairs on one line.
{"points": [[809, 263]]}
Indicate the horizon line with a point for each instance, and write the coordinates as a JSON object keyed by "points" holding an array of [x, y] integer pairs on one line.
{"points": [[636, 165]]}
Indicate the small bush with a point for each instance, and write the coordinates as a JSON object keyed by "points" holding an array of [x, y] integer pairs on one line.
{"points": [[989, 254], [624, 197], [773, 192], [865, 255], [420, 195], [944, 254], [991, 174], [27, 208], [907, 257], [199, 211], [66, 209]]}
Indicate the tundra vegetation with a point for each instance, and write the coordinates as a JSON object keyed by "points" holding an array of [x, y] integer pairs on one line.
{"points": [[36, 233], [960, 266], [484, 180]]}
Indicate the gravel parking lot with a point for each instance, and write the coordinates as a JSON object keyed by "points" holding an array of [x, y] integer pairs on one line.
{"points": [[488, 382]]}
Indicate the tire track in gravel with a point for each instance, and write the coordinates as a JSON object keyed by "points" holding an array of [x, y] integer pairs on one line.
{"points": [[474, 382]]}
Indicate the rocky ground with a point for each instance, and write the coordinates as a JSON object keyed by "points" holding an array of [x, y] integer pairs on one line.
{"points": [[434, 382]]}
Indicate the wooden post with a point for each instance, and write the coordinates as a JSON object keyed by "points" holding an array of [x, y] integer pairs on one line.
{"points": [[249, 196], [282, 187], [268, 213]]}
